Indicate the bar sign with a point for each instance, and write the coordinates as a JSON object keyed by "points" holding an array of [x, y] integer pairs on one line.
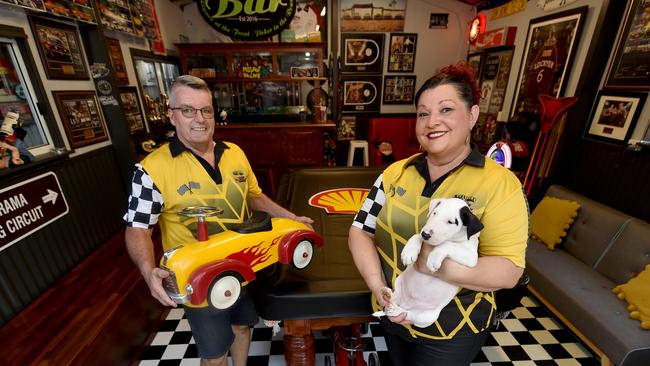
{"points": [[28, 206]]}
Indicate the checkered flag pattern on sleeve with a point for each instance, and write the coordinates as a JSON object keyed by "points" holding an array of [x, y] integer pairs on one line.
{"points": [[145, 201], [366, 218]]}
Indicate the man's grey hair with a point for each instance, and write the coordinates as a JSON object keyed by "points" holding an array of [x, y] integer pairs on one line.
{"points": [[189, 81]]}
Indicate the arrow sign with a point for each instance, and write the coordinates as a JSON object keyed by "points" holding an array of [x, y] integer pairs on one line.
{"points": [[50, 196], [28, 206]]}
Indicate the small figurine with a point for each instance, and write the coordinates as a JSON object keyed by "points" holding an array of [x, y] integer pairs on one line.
{"points": [[223, 118], [10, 155]]}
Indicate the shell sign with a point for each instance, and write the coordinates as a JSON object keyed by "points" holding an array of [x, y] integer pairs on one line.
{"points": [[340, 200], [248, 19]]}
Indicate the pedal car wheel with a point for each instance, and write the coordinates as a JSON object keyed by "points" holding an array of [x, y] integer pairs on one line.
{"points": [[373, 359], [224, 291], [302, 254]]}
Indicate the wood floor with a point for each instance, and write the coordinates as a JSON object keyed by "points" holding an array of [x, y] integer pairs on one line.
{"points": [[100, 313]]}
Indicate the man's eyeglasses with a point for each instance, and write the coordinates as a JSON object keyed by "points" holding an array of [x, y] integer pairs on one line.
{"points": [[190, 112]]}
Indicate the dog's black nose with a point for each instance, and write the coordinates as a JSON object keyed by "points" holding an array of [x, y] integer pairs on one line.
{"points": [[425, 236]]}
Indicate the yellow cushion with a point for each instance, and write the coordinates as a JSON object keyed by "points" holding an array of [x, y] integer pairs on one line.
{"points": [[551, 219], [636, 292]]}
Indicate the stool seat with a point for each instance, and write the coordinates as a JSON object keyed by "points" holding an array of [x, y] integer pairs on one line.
{"points": [[358, 144]]}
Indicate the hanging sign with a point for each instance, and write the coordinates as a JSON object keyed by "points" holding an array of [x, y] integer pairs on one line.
{"points": [[248, 19], [28, 206]]}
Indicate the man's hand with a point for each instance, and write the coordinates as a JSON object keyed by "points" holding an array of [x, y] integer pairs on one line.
{"points": [[154, 281], [305, 220]]}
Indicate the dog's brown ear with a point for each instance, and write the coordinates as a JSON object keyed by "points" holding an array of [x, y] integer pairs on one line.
{"points": [[470, 220]]}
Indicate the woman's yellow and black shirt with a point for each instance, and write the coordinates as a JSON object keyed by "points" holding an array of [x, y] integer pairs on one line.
{"points": [[396, 209]]}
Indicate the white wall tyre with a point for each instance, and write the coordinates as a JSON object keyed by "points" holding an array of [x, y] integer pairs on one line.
{"points": [[224, 291], [328, 361], [302, 254]]}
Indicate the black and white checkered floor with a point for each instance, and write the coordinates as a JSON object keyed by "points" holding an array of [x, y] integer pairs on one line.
{"points": [[529, 336]]}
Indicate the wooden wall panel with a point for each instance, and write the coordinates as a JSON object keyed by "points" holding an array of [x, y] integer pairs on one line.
{"points": [[96, 199]]}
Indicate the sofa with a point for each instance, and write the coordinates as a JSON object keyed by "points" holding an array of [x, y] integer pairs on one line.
{"points": [[602, 249], [399, 132]]}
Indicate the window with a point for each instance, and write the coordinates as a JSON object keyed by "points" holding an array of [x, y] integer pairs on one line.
{"points": [[17, 95]]}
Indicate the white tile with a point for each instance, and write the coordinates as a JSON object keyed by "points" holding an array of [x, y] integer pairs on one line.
{"points": [[183, 326], [513, 325], [380, 343], [261, 348], [495, 354], [175, 314], [543, 337], [149, 363], [174, 352], [567, 362], [528, 302], [522, 313], [162, 338], [523, 363], [549, 323], [191, 362], [536, 352], [276, 360], [480, 364], [505, 338], [192, 341], [576, 350]]}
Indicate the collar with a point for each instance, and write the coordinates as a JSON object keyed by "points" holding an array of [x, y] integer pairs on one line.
{"points": [[475, 159], [176, 147]]}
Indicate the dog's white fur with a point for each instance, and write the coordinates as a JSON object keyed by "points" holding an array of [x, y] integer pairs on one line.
{"points": [[454, 231]]}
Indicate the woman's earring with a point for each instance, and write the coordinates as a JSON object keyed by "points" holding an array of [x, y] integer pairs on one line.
{"points": [[468, 139]]}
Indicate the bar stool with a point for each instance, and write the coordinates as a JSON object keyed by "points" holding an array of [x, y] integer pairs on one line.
{"points": [[358, 144]]}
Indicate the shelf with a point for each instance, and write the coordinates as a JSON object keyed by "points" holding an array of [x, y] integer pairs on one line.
{"points": [[218, 80]]}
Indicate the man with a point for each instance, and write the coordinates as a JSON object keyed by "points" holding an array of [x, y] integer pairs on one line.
{"points": [[195, 170]]}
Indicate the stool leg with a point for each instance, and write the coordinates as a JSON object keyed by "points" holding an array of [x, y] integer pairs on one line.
{"points": [[365, 156], [351, 155]]}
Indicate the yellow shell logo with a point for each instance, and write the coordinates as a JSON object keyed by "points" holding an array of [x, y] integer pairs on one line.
{"points": [[340, 200]]}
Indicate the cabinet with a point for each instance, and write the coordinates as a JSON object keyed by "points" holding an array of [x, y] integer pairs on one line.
{"points": [[249, 79], [272, 148]]}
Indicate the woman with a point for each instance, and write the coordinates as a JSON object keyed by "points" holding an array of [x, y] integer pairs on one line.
{"points": [[396, 208]]}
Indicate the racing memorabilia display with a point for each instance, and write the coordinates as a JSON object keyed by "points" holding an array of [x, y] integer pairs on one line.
{"points": [[362, 52], [81, 117]]}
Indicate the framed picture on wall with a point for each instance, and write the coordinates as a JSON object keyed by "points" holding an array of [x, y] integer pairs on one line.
{"points": [[548, 54], [60, 49], [372, 15], [362, 52], [629, 68], [361, 93], [81, 117], [475, 60], [399, 89], [117, 60], [401, 57], [132, 109], [614, 115]]}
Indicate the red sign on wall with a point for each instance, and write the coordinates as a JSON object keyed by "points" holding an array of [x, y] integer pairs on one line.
{"points": [[28, 206]]}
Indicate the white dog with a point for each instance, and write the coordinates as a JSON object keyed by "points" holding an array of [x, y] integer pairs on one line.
{"points": [[453, 230]]}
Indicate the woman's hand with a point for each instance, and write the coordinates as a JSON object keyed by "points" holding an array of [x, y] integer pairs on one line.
{"points": [[384, 296]]}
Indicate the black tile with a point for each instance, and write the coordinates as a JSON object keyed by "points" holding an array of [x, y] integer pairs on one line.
{"points": [[257, 361], [323, 345], [168, 325], [368, 344], [540, 312], [556, 351], [262, 334], [153, 352], [480, 357], [169, 362], [181, 338], [277, 347], [490, 341], [524, 338], [191, 351], [563, 335], [377, 330], [515, 353], [546, 362], [384, 358], [531, 324], [503, 363], [589, 361]]}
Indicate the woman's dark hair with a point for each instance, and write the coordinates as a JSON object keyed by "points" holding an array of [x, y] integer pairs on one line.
{"points": [[460, 75]]}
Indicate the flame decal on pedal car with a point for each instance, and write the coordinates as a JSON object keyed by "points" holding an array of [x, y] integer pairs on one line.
{"points": [[255, 254], [340, 200]]}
